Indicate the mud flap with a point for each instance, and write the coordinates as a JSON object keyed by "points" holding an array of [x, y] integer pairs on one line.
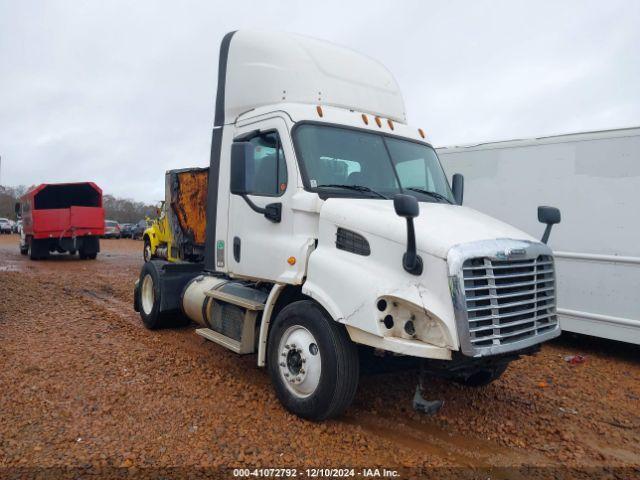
{"points": [[173, 278]]}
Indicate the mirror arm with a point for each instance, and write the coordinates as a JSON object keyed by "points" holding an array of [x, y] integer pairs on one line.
{"points": [[547, 232], [411, 261], [272, 212]]}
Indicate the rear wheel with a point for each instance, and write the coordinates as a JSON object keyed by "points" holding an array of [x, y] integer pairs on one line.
{"points": [[312, 362], [150, 299], [32, 254], [38, 249], [146, 250]]}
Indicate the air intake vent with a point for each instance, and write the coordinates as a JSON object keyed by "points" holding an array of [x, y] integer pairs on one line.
{"points": [[352, 242]]}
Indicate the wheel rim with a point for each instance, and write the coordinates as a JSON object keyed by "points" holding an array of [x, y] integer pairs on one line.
{"points": [[147, 294], [147, 252], [299, 361]]}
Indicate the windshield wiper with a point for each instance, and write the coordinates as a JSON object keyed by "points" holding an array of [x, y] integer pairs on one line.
{"points": [[357, 188], [431, 194]]}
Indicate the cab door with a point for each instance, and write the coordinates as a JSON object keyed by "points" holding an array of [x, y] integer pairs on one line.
{"points": [[257, 247]]}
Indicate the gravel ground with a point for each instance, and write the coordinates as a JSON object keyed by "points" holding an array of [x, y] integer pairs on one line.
{"points": [[85, 385]]}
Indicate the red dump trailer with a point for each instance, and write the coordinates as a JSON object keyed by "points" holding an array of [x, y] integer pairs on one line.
{"points": [[61, 217]]}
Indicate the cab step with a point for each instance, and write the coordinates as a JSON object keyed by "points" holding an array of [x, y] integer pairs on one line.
{"points": [[247, 303], [220, 339], [230, 311]]}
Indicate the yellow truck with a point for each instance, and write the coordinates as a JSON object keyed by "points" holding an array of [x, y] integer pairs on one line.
{"points": [[178, 233]]}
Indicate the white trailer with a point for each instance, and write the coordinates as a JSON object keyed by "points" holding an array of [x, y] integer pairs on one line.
{"points": [[330, 225], [594, 178]]}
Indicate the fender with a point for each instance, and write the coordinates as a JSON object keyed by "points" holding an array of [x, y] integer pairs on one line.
{"points": [[263, 336]]}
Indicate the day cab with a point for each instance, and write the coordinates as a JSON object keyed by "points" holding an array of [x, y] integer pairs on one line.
{"points": [[331, 226]]}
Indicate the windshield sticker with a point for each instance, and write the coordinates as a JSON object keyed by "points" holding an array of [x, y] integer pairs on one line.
{"points": [[313, 183]]}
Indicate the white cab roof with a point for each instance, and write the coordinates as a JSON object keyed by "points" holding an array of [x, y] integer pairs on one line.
{"points": [[266, 68]]}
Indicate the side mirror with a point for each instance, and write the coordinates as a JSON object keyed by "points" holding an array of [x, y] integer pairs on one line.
{"points": [[407, 206], [242, 179], [457, 187], [17, 209], [550, 216], [241, 162]]}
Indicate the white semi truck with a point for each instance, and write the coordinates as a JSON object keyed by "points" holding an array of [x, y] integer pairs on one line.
{"points": [[594, 177], [331, 225]]}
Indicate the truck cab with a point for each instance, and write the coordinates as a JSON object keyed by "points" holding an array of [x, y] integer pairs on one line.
{"points": [[331, 226]]}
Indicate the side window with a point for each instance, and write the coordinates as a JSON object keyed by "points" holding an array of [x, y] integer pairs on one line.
{"points": [[270, 168]]}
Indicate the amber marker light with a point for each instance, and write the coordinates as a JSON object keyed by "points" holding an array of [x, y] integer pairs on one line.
{"points": [[291, 260], [319, 110], [378, 122], [365, 119], [421, 132], [390, 123]]}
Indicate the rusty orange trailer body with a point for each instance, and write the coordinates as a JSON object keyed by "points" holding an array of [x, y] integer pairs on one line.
{"points": [[178, 234]]}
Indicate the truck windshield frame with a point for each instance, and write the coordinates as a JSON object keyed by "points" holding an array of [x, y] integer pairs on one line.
{"points": [[384, 154]]}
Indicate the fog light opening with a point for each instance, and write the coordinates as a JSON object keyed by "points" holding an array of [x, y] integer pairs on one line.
{"points": [[410, 328], [382, 305], [388, 322]]}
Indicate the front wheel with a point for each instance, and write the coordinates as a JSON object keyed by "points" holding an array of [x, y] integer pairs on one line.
{"points": [[312, 362]]}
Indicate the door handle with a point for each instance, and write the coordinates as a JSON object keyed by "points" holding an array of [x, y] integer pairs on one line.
{"points": [[236, 249]]}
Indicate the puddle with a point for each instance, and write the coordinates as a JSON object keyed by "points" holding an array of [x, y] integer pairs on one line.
{"points": [[112, 304], [430, 440]]}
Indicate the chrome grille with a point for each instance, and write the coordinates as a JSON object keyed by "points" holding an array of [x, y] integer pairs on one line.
{"points": [[509, 300]]}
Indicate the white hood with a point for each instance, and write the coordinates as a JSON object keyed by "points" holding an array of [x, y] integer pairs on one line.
{"points": [[438, 227]]}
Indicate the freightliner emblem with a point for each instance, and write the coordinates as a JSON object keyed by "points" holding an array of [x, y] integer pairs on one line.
{"points": [[511, 252]]}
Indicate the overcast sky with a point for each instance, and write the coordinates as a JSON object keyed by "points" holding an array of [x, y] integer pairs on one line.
{"points": [[118, 92]]}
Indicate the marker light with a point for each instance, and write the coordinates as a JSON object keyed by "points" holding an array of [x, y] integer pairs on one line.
{"points": [[291, 260], [378, 122], [390, 123], [421, 132], [319, 110], [365, 119]]}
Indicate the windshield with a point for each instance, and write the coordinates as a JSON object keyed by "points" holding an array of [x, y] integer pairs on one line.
{"points": [[335, 158]]}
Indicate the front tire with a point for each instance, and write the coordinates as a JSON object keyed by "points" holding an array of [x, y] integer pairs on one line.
{"points": [[312, 362]]}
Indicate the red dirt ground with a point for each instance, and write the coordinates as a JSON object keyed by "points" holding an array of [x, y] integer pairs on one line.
{"points": [[85, 385]]}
